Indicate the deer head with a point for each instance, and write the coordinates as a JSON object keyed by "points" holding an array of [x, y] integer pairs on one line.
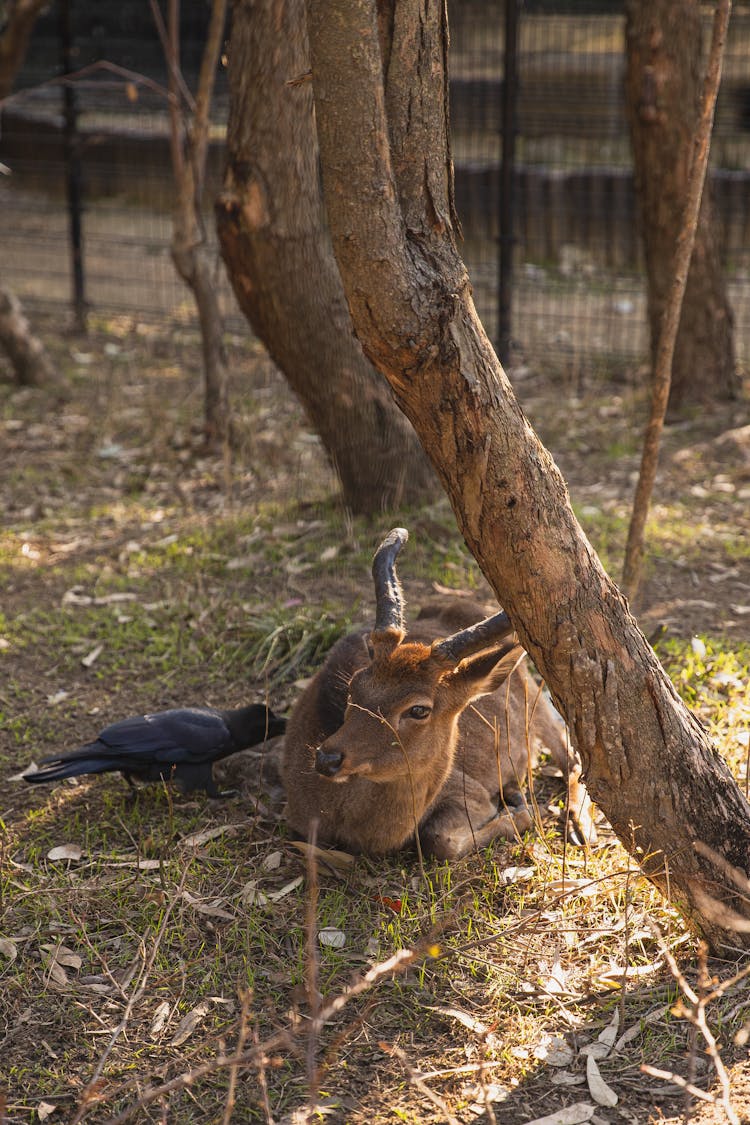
{"points": [[403, 707]]}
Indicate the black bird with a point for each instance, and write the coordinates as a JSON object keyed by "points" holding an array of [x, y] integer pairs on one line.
{"points": [[182, 744]]}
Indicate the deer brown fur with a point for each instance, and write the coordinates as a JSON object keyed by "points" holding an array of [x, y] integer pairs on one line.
{"points": [[387, 739]]}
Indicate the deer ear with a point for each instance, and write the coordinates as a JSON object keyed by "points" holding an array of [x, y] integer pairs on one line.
{"points": [[382, 642], [481, 674]]}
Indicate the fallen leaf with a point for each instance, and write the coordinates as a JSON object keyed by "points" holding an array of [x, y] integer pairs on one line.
{"points": [[332, 938], [335, 860], [583, 887], [68, 958], [161, 1015], [570, 1115], [510, 875], [557, 981], [601, 1047], [637, 1028], [211, 909], [598, 1088], [554, 1051], [65, 851], [195, 839], [251, 895], [92, 657], [282, 892], [8, 949], [188, 1024], [567, 1078], [45, 1110], [272, 861], [471, 1023], [56, 973]]}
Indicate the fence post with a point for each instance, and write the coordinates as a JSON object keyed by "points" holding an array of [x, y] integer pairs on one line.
{"points": [[506, 199], [72, 157]]}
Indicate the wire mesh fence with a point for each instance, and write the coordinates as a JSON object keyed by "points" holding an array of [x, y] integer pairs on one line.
{"points": [[578, 294]]}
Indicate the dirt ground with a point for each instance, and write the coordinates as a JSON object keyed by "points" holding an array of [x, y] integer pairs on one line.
{"points": [[142, 572]]}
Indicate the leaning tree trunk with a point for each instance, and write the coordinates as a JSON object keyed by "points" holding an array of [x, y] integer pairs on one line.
{"points": [[387, 175], [663, 90], [277, 248]]}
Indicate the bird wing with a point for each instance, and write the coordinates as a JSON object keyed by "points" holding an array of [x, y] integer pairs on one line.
{"points": [[187, 734]]}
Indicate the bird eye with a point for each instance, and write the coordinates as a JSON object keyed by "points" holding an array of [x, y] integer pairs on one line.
{"points": [[418, 711]]}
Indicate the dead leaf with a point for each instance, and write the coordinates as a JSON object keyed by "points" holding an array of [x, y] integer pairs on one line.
{"points": [[604, 1041], [510, 875], [45, 1110], [68, 958], [557, 981], [468, 1021], [188, 1024], [335, 860], [8, 949], [282, 892], [568, 886], [272, 861], [598, 1088], [211, 909], [616, 974], [56, 973], [195, 839], [554, 1051], [570, 1115], [159, 1022], [92, 657], [251, 895], [65, 851], [567, 1078], [332, 938]]}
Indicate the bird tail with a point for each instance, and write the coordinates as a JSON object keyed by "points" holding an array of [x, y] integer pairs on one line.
{"points": [[58, 767]]}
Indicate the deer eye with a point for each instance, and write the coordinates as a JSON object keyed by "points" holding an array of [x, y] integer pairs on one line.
{"points": [[418, 711]]}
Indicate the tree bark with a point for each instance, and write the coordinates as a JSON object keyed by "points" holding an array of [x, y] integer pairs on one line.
{"points": [[648, 762], [663, 91], [277, 248]]}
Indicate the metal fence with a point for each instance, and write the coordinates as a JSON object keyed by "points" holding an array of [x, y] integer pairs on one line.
{"points": [[564, 228]]}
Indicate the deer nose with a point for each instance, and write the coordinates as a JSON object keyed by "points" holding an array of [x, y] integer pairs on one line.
{"points": [[328, 762]]}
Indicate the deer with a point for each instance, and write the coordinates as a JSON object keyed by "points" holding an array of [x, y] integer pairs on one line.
{"points": [[425, 735]]}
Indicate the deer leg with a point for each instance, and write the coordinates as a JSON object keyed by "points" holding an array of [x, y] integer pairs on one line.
{"points": [[468, 817]]}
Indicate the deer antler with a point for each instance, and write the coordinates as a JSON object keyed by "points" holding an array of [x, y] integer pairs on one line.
{"points": [[485, 634], [389, 597]]}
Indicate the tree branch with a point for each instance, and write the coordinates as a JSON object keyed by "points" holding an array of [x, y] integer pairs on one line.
{"points": [[662, 377]]}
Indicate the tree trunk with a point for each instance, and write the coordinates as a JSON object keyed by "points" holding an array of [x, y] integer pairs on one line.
{"points": [[387, 175], [190, 253], [278, 252], [18, 19], [28, 356], [31, 364], [663, 90]]}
